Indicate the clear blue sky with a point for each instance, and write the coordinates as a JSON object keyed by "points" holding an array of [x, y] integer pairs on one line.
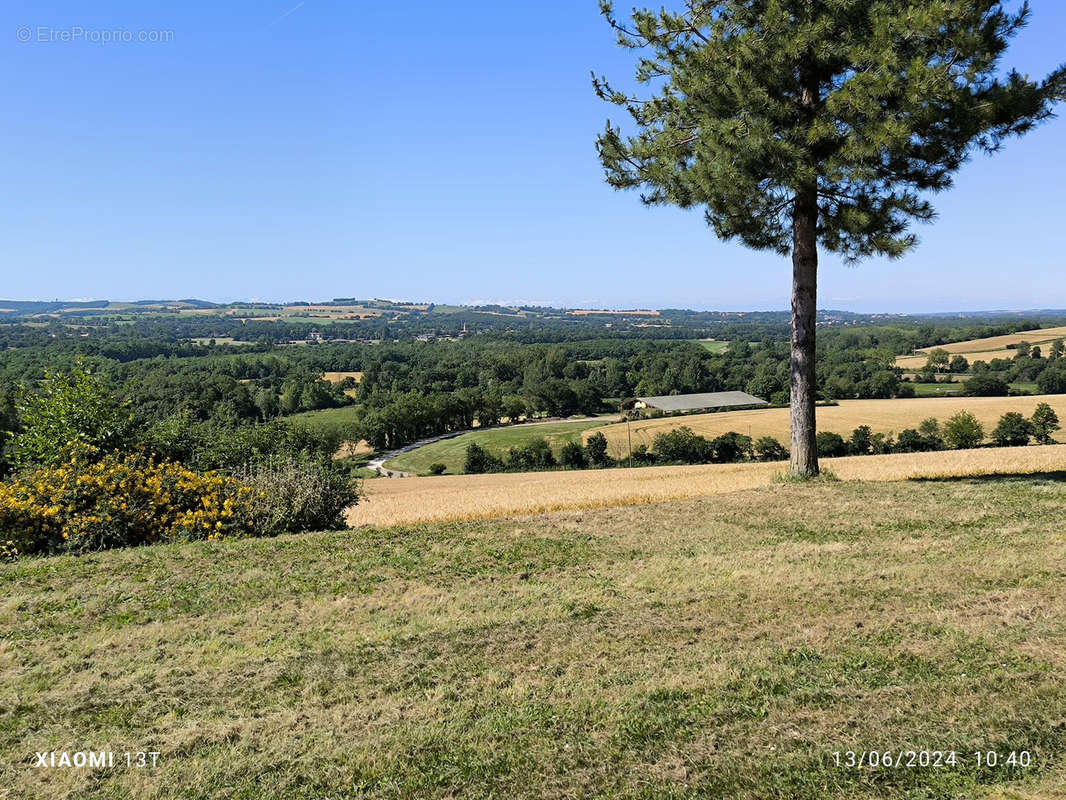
{"points": [[425, 151]]}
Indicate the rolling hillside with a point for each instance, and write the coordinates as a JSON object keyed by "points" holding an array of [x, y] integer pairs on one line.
{"points": [[723, 647], [985, 349]]}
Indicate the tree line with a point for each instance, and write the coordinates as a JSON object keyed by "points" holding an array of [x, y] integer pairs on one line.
{"points": [[682, 445]]}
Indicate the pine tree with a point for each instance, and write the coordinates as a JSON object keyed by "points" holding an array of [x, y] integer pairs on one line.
{"points": [[799, 123]]}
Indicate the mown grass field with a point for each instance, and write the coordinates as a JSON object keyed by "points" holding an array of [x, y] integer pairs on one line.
{"points": [[944, 389], [341, 420], [887, 416], [939, 389], [452, 452], [721, 647], [986, 349], [713, 345]]}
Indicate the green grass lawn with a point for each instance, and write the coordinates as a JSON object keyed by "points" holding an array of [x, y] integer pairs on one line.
{"points": [[713, 347], [341, 419], [1031, 388], [717, 648], [937, 389], [942, 389], [452, 452]]}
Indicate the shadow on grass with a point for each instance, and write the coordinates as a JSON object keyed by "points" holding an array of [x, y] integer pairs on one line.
{"points": [[1058, 476]]}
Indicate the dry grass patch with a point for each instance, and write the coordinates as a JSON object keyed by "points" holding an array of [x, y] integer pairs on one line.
{"points": [[709, 648], [464, 497], [337, 377], [886, 416]]}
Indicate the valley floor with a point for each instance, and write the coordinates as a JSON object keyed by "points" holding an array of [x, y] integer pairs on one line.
{"points": [[725, 646]]}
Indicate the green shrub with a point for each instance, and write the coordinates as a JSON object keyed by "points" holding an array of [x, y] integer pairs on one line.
{"points": [[479, 460], [536, 454], [642, 455], [730, 447], [1045, 422], [67, 410], [831, 445], [292, 495], [213, 445], [767, 448], [860, 443], [596, 450], [572, 456], [910, 441], [985, 386], [963, 431], [882, 443], [437, 468], [683, 445], [1013, 430], [931, 433]]}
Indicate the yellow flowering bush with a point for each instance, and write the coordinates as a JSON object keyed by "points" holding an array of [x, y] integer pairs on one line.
{"points": [[95, 501]]}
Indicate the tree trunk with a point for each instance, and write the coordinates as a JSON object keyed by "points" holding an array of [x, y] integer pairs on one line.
{"points": [[804, 450]]}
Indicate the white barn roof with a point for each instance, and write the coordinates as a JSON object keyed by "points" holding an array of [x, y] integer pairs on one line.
{"points": [[693, 402]]}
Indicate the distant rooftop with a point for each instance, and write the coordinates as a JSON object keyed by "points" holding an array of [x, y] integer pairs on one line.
{"points": [[694, 402]]}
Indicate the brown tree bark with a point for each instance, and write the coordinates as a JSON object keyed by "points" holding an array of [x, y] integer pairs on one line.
{"points": [[804, 450]]}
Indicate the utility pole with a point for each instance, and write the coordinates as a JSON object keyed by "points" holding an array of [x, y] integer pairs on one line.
{"points": [[629, 432], [628, 414]]}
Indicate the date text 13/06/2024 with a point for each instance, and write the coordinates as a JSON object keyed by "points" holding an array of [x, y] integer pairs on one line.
{"points": [[873, 759]]}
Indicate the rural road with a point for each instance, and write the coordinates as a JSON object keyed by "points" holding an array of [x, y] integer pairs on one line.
{"points": [[378, 464]]}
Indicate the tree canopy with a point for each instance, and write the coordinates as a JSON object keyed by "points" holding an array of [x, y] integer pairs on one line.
{"points": [[877, 102]]}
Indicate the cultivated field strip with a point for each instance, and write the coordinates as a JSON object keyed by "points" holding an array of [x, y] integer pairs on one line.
{"points": [[464, 497], [1040, 336], [916, 362], [985, 349], [883, 416]]}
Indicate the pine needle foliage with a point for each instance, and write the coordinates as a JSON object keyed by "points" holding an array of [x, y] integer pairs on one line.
{"points": [[906, 91]]}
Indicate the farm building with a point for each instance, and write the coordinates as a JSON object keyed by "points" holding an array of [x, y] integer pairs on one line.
{"points": [[713, 401]]}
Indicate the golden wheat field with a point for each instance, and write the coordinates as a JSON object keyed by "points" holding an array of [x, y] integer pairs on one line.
{"points": [[985, 349], [463, 497], [916, 362], [884, 416], [337, 377]]}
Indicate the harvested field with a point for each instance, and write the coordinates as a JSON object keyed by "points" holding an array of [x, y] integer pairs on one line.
{"points": [[1039, 336], [349, 449], [464, 497], [918, 361], [885, 416], [985, 349], [337, 377]]}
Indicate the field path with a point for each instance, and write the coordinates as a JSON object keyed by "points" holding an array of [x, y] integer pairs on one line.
{"points": [[461, 497]]}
